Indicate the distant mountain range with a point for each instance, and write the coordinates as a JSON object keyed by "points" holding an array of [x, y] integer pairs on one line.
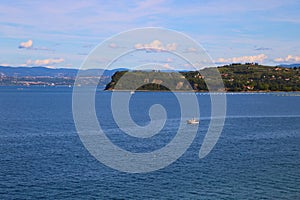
{"points": [[52, 72], [289, 65], [237, 77], [64, 72]]}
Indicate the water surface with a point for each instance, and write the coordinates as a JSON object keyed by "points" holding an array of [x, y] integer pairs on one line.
{"points": [[257, 155]]}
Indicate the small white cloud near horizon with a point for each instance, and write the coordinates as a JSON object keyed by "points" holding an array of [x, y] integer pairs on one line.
{"points": [[191, 50], [288, 59], [26, 45], [243, 59], [113, 45], [156, 45], [4, 65], [44, 62], [169, 60], [167, 66]]}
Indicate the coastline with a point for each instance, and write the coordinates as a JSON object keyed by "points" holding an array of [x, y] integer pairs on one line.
{"points": [[18, 87], [196, 91]]}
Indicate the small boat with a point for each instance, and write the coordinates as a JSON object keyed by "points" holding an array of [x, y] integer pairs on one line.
{"points": [[193, 121], [131, 92]]}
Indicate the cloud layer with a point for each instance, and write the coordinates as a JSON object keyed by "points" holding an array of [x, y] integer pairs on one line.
{"points": [[288, 59], [44, 62], [157, 45], [26, 45], [243, 59]]}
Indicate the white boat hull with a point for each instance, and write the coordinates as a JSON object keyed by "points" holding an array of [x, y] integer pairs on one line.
{"points": [[193, 121]]}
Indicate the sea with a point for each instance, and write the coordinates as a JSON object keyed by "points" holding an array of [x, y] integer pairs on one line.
{"points": [[256, 157]]}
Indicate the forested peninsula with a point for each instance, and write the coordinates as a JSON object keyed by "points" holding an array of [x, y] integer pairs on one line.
{"points": [[248, 77]]}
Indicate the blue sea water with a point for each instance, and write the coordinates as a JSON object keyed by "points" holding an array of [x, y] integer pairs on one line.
{"points": [[256, 157]]}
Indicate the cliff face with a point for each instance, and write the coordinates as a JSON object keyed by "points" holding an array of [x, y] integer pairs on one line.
{"points": [[145, 80], [236, 77]]}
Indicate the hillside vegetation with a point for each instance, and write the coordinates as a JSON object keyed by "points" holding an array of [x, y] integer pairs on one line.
{"points": [[236, 77]]}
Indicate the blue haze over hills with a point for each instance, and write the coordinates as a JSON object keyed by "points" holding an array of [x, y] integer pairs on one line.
{"points": [[52, 72]]}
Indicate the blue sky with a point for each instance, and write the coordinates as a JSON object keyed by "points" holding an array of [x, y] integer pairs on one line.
{"points": [[62, 33]]}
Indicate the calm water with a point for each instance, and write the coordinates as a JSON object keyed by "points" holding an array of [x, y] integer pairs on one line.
{"points": [[257, 156]]}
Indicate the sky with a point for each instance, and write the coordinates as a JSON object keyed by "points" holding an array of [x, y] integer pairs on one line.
{"points": [[61, 34]]}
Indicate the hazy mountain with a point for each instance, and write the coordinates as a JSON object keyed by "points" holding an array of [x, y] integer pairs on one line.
{"points": [[52, 72], [289, 65]]}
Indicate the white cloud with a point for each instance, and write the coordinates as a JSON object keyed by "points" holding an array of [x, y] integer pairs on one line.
{"points": [[29, 45], [191, 50], [4, 65], [156, 45], [26, 44], [113, 45], [169, 60], [258, 58], [49, 61], [288, 59], [171, 47], [167, 66], [279, 60]]}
